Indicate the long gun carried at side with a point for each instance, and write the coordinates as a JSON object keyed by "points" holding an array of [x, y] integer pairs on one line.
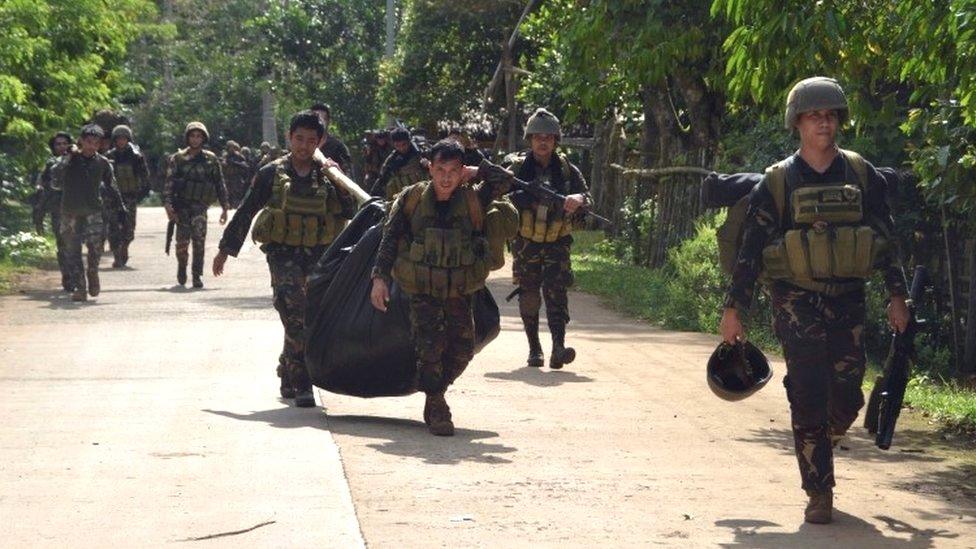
{"points": [[545, 194], [885, 402]]}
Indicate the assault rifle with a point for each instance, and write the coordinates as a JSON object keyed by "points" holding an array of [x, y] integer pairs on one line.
{"points": [[545, 194], [885, 402]]}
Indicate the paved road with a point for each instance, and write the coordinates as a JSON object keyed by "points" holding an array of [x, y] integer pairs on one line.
{"points": [[150, 416]]}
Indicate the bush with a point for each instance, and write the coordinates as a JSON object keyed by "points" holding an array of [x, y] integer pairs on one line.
{"points": [[25, 248], [696, 285]]}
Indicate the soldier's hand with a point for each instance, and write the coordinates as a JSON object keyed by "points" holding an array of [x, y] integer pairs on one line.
{"points": [[731, 327], [223, 216], [573, 202], [218, 263], [379, 296], [898, 314], [491, 172], [170, 212]]}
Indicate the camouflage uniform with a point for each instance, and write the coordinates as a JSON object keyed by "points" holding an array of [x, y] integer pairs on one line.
{"points": [[289, 265], [442, 325], [192, 183], [132, 176], [50, 203], [237, 174], [84, 183], [398, 172], [820, 331], [336, 150], [544, 265], [373, 159]]}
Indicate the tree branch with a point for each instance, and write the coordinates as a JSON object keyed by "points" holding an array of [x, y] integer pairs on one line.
{"points": [[648, 173]]}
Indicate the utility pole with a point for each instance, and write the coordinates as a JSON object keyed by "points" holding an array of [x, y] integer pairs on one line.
{"points": [[390, 45]]}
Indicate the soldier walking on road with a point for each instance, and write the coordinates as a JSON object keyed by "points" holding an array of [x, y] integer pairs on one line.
{"points": [[237, 173], [48, 200], [132, 178], [542, 246], [193, 182], [401, 169], [84, 177], [301, 213], [433, 246], [818, 226]]}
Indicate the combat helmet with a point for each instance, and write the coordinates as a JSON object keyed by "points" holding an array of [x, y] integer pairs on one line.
{"points": [[122, 131], [232, 145], [542, 121], [195, 125], [736, 371], [814, 94]]}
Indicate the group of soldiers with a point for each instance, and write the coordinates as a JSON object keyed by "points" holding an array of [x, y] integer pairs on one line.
{"points": [[817, 206]]}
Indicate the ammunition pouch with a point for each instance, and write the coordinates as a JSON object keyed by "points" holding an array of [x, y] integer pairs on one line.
{"points": [[293, 219], [814, 255], [830, 204], [197, 190], [536, 226]]}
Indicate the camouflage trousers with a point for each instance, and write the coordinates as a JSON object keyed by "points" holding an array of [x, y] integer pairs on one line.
{"points": [[75, 230], [443, 335], [289, 270], [547, 267], [191, 226], [824, 351], [62, 246], [120, 234]]}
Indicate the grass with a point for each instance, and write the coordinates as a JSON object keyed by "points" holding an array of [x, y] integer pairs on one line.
{"points": [[687, 297]]}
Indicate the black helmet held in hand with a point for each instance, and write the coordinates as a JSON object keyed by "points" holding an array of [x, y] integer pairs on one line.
{"points": [[737, 371]]}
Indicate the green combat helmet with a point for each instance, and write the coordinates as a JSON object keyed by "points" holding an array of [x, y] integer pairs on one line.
{"points": [[196, 126], [122, 131], [736, 371], [542, 121], [233, 146], [814, 94]]}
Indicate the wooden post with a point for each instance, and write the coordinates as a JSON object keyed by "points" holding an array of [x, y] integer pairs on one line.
{"points": [[950, 241], [510, 90]]}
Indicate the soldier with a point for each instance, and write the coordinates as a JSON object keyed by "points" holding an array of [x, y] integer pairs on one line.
{"points": [[302, 211], [48, 201], [817, 228], [193, 182], [377, 148], [331, 146], [132, 177], [541, 249], [444, 218], [401, 169], [237, 173], [84, 177]]}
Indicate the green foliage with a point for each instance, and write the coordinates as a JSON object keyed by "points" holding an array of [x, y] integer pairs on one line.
{"points": [[945, 401], [25, 248], [59, 62], [696, 287]]}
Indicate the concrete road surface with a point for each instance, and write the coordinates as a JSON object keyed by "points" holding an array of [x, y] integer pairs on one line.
{"points": [[150, 417]]}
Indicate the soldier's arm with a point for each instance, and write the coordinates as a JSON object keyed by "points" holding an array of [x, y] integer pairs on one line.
{"points": [[255, 198], [142, 174], [219, 185], [495, 182], [879, 216], [386, 171], [345, 158], [760, 227], [169, 186], [346, 201], [396, 227]]}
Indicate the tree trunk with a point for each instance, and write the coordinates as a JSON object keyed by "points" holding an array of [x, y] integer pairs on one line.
{"points": [[269, 131], [968, 366]]}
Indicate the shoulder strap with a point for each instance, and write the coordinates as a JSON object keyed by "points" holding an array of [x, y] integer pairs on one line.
{"points": [[474, 208], [776, 183], [412, 199], [567, 172], [858, 165]]}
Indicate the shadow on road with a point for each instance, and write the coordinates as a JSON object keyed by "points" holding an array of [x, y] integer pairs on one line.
{"points": [[855, 532], [539, 377], [253, 302], [57, 299], [860, 446], [409, 438], [286, 417]]}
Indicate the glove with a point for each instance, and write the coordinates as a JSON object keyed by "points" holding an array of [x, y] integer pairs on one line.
{"points": [[493, 173]]}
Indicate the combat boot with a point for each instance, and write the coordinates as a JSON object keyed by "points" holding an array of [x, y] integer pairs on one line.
{"points": [[820, 507], [197, 281], [93, 286], [304, 398], [181, 273], [561, 354], [79, 295], [437, 416], [286, 390], [536, 358], [124, 255]]}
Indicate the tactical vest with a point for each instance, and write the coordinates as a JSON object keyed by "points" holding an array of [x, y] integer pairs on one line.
{"points": [[445, 259], [125, 178], [81, 185], [299, 217], [827, 234], [542, 223], [195, 176], [407, 175]]}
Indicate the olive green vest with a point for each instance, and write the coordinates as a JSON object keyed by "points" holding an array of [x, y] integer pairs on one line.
{"points": [[196, 177], [827, 235], [294, 216], [407, 175], [80, 183], [125, 178], [542, 223], [447, 259]]}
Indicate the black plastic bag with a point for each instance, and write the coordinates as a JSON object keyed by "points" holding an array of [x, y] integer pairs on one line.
{"points": [[353, 349]]}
